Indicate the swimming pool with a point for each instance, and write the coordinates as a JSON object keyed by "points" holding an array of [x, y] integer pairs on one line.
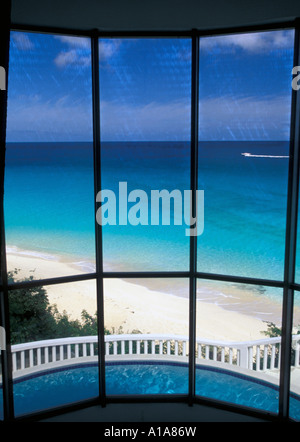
{"points": [[79, 382]]}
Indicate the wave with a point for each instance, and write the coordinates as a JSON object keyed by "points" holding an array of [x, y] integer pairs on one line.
{"points": [[85, 266], [15, 250], [247, 154]]}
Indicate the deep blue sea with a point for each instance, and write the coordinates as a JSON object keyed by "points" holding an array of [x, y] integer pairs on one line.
{"points": [[49, 204]]}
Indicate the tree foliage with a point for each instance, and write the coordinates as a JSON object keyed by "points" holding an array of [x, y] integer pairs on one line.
{"points": [[32, 318]]}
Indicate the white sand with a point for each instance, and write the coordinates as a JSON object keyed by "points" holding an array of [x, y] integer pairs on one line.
{"points": [[134, 307]]}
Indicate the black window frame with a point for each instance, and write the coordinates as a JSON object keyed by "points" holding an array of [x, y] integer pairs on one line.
{"points": [[287, 284]]}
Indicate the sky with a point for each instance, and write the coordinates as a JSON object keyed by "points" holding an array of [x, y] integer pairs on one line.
{"points": [[145, 88]]}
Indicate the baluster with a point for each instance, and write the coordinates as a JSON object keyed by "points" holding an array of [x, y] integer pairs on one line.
{"points": [[31, 358], [122, 347], [250, 362], [223, 354], [22, 360], [53, 354], [39, 356], [153, 347], [168, 348], [265, 361], [76, 351], [184, 348], [199, 351], [207, 352], [257, 358], [273, 350], [46, 355], [14, 359], [297, 354], [176, 348]]}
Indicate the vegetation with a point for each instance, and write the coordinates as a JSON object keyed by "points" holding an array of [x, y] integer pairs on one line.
{"points": [[32, 318], [274, 331]]}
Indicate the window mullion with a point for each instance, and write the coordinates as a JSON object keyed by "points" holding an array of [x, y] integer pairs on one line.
{"points": [[290, 248], [193, 239], [98, 229]]}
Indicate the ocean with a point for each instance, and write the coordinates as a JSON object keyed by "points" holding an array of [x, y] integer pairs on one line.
{"points": [[49, 204]]}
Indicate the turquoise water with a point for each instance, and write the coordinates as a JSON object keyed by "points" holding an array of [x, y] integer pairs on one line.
{"points": [[75, 384], [49, 204]]}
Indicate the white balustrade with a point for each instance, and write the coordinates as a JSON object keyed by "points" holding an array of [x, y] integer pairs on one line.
{"points": [[260, 355]]}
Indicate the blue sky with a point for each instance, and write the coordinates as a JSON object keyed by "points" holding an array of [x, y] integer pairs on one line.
{"points": [[245, 88]]}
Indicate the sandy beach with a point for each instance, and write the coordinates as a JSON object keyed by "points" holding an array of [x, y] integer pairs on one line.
{"points": [[135, 307]]}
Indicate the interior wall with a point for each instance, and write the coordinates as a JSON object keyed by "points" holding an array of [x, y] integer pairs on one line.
{"points": [[139, 15]]}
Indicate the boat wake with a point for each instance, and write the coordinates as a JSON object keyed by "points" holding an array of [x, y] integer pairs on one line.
{"points": [[247, 154]]}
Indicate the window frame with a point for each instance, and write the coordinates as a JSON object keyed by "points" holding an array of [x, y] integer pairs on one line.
{"points": [[287, 284]]}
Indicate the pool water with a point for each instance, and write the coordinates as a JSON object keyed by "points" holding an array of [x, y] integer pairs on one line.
{"points": [[72, 384]]}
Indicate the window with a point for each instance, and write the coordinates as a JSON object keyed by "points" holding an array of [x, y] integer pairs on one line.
{"points": [[111, 142], [49, 159]]}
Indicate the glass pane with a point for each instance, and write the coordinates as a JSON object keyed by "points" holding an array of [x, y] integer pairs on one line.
{"points": [[54, 345], [244, 119], [295, 362], [238, 344], [145, 129], [146, 326], [49, 202]]}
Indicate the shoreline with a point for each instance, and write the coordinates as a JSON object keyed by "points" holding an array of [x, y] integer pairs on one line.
{"points": [[224, 313]]}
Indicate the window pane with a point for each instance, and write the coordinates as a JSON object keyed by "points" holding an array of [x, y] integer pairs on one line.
{"points": [[146, 322], [49, 203], [145, 129], [295, 362], [244, 119], [238, 344], [54, 345]]}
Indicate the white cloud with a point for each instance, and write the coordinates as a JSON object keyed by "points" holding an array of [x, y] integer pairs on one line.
{"points": [[255, 42], [71, 57], [63, 119], [108, 48], [75, 42], [153, 121], [245, 118], [220, 118], [79, 51], [22, 41]]}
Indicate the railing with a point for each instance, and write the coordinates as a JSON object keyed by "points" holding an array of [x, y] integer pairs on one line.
{"points": [[261, 355]]}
